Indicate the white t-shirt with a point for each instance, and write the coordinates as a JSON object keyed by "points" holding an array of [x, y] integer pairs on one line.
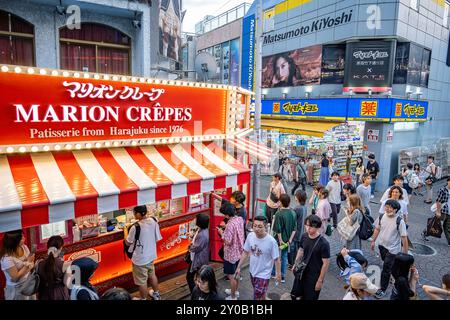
{"points": [[335, 191], [7, 262], [145, 251], [403, 207], [262, 252], [389, 237], [386, 195]]}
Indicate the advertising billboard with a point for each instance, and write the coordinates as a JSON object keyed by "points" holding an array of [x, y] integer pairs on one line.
{"points": [[333, 64], [170, 29], [293, 68], [369, 65]]}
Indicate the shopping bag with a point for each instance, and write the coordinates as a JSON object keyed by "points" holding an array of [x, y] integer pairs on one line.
{"points": [[434, 227], [346, 229]]}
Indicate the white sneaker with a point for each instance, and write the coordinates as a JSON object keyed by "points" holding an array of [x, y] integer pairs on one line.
{"points": [[228, 293], [230, 298], [372, 196]]}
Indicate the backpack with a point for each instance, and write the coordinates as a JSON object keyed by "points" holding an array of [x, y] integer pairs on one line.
{"points": [[414, 181], [399, 219], [77, 288], [126, 247], [366, 227]]}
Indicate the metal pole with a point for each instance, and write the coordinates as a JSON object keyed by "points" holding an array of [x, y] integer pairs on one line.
{"points": [[257, 121]]}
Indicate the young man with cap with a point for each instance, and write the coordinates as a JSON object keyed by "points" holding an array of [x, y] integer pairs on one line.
{"points": [[361, 288], [144, 253]]}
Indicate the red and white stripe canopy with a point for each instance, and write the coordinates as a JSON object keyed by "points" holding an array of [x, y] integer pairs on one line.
{"points": [[256, 150], [41, 188]]}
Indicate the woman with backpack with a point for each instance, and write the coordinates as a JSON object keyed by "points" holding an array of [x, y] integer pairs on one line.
{"points": [[85, 290], [54, 276], [16, 264], [354, 214]]}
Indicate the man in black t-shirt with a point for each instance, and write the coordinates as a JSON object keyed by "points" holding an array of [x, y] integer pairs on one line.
{"points": [[315, 252], [373, 169]]}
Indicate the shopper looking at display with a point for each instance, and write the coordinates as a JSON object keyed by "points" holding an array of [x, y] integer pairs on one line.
{"points": [[233, 240], [206, 285], [199, 248], [264, 255], [324, 170], [364, 191], [54, 275], [374, 170], [273, 199], [16, 264], [237, 199], [144, 253], [84, 290], [360, 170], [335, 188]]}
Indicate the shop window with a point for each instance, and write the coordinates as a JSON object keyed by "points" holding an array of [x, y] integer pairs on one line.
{"points": [[95, 48], [16, 40]]}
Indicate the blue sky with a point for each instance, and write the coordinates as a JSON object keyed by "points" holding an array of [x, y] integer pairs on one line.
{"points": [[197, 9]]}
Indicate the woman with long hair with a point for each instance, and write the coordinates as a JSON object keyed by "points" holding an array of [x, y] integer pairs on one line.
{"points": [[16, 263], [199, 249], [314, 200], [324, 170], [206, 288], [284, 71], [54, 275], [360, 170], [396, 193], [406, 276], [354, 214]]}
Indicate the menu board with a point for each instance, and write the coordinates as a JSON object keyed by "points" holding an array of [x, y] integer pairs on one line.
{"points": [[53, 229], [176, 206]]}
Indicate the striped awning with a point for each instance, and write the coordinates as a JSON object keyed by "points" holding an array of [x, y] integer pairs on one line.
{"points": [[257, 150], [41, 188]]}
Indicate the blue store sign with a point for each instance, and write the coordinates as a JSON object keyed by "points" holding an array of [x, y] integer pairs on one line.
{"points": [[351, 109], [321, 109]]}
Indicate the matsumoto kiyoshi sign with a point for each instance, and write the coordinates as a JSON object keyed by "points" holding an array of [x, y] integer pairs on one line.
{"points": [[51, 109], [314, 26]]}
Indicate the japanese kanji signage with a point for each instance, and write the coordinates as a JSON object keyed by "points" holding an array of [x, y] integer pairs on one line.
{"points": [[369, 110], [369, 65], [325, 109], [54, 109], [409, 111]]}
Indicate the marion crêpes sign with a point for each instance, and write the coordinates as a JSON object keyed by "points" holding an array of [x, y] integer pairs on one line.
{"points": [[38, 109]]}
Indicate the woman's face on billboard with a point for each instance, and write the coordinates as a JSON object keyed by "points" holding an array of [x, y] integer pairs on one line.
{"points": [[282, 69]]}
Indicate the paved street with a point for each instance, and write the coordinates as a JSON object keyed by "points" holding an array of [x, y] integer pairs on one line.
{"points": [[431, 268]]}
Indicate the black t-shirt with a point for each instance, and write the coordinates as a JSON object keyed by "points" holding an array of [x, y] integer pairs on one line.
{"points": [[300, 213], [198, 294], [321, 251], [325, 163], [373, 169]]}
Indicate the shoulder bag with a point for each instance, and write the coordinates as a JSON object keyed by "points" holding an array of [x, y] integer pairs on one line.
{"points": [[299, 267], [31, 285], [346, 229]]}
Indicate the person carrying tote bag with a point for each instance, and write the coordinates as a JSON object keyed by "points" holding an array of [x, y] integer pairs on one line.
{"points": [[348, 228]]}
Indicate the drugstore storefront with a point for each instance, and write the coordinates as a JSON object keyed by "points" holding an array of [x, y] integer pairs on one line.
{"points": [[307, 128], [75, 161]]}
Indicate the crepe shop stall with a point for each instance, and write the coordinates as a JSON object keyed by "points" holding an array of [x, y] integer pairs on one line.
{"points": [[78, 151]]}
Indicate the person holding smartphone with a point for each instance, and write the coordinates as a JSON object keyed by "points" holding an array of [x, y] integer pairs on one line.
{"points": [[16, 263]]}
